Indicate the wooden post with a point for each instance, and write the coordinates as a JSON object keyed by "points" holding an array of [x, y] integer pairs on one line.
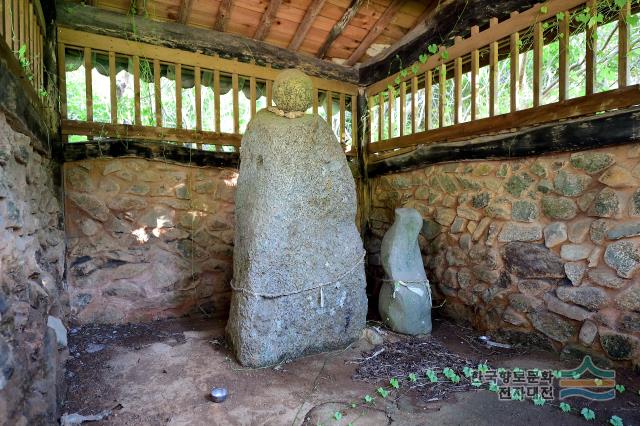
{"points": [[31, 41], [475, 66], [457, 78], [112, 87], [364, 138], [178, 68], [157, 92], [252, 95], [428, 99], [269, 85], [198, 85], [8, 13], [392, 102], [493, 72], [538, 40], [315, 100], [414, 94], [563, 67], [380, 115], [236, 107], [21, 23], [354, 123], [403, 99], [216, 99], [62, 80], [136, 90], [342, 117], [88, 81], [514, 68], [329, 106], [590, 62], [623, 44], [442, 78], [16, 25]]}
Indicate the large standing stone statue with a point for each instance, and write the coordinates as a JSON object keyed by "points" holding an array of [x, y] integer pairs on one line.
{"points": [[299, 283], [405, 297]]}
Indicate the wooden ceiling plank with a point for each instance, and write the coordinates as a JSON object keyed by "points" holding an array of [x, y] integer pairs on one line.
{"points": [[339, 27], [305, 25], [185, 11], [224, 13], [384, 20], [267, 19]]}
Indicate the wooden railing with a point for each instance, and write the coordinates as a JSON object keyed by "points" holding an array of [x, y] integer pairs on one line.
{"points": [[440, 98], [184, 97], [22, 29]]}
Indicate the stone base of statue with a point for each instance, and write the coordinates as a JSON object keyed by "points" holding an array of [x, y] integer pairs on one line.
{"points": [[299, 282]]}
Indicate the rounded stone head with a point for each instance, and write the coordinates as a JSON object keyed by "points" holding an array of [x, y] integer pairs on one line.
{"points": [[410, 220], [292, 91]]}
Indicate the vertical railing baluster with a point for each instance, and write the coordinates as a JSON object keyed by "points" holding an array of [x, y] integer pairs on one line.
{"points": [[315, 100], [216, 99], [178, 76], [157, 92], [21, 23], [62, 80], [514, 68], [403, 97], [563, 52], [236, 108], [197, 81], [442, 80], [269, 85], [414, 94], [380, 115], [590, 62], [475, 69], [8, 12], [623, 44], [136, 91], [329, 106], [252, 95], [354, 123], [538, 41], [112, 87], [88, 80], [342, 117], [428, 100], [457, 87], [392, 104], [493, 72], [15, 29]]}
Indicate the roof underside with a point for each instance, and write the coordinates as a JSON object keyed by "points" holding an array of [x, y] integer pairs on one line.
{"points": [[282, 22]]}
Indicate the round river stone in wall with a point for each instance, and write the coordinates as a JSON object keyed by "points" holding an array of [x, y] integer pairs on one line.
{"points": [[292, 91]]}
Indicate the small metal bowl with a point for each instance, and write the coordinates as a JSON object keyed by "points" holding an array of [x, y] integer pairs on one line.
{"points": [[219, 394]]}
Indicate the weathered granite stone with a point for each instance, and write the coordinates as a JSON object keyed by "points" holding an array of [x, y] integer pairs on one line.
{"points": [[58, 327], [555, 233], [571, 184], [79, 180], [575, 272], [618, 346], [456, 257], [126, 203], [538, 169], [598, 230], [445, 216], [516, 184], [468, 213], [465, 278], [90, 205], [292, 235], [594, 258], [629, 300], [499, 209], [618, 177], [578, 230], [606, 278], [566, 310], [524, 211], [481, 228], [606, 204], [511, 316], [404, 302], [558, 207], [629, 322], [524, 303], [592, 298], [449, 201], [503, 170], [545, 186], [624, 230], [292, 91], [514, 231], [573, 252], [533, 287], [481, 200], [465, 242], [624, 257], [528, 260], [588, 333], [157, 217], [592, 162], [431, 229], [634, 205], [585, 200], [553, 325], [458, 225]]}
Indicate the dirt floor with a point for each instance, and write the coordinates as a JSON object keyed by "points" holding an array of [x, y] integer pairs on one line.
{"points": [[161, 373]]}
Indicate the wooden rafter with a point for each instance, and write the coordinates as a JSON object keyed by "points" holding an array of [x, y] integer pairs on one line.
{"points": [[340, 26], [377, 29], [185, 11], [267, 19], [224, 13], [310, 16]]}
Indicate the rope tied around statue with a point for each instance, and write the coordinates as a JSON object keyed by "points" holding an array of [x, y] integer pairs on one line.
{"points": [[408, 285], [319, 286]]}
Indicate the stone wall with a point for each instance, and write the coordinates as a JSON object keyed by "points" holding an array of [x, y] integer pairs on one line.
{"points": [[31, 287], [546, 246], [148, 239]]}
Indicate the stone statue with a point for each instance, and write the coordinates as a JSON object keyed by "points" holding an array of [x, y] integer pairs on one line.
{"points": [[405, 297], [299, 282]]}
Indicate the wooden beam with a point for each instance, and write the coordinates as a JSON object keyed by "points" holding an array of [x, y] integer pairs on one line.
{"points": [[385, 19], [614, 128], [340, 26], [224, 13], [198, 41], [185, 11], [309, 17], [267, 19], [575, 107]]}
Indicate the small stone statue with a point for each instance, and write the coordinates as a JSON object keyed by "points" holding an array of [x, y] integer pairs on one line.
{"points": [[405, 297]]}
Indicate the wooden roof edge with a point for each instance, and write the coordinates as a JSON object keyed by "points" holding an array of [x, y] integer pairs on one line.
{"points": [[171, 34]]}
